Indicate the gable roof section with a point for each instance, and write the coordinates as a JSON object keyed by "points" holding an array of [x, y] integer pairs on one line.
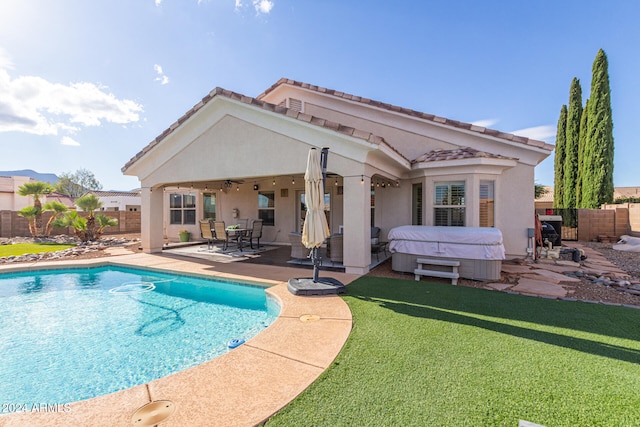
{"points": [[220, 92], [413, 113], [457, 154]]}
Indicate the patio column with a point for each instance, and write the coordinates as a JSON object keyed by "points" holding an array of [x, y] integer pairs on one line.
{"points": [[357, 224], [151, 232]]}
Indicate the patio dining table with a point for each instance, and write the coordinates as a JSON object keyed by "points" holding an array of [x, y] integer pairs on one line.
{"points": [[238, 234]]}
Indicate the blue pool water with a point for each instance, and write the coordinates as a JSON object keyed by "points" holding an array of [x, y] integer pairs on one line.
{"points": [[68, 335]]}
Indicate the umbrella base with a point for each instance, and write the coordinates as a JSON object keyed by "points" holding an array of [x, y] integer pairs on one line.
{"points": [[324, 286]]}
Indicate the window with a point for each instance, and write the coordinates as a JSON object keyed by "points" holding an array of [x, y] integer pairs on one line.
{"points": [[182, 208], [209, 205], [267, 207], [416, 204], [449, 205], [486, 204], [373, 205]]}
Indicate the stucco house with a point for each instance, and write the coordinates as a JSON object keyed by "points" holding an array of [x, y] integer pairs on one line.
{"points": [[236, 156], [10, 200], [118, 201]]}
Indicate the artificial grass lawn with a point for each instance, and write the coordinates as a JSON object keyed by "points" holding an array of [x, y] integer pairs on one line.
{"points": [[31, 248], [432, 354]]}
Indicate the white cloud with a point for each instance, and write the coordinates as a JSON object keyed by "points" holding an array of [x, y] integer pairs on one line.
{"points": [[157, 2], [162, 78], [540, 133], [262, 6], [66, 140], [34, 105], [486, 123], [5, 60]]}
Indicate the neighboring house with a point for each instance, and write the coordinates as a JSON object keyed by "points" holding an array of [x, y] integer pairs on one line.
{"points": [[234, 156], [620, 192], [114, 201], [546, 200], [10, 200]]}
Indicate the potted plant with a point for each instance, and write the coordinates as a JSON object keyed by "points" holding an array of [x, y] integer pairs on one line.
{"points": [[184, 235]]}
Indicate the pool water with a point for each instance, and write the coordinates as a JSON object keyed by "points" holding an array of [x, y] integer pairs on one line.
{"points": [[68, 335]]}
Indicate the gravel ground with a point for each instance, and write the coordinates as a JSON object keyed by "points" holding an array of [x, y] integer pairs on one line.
{"points": [[627, 261]]}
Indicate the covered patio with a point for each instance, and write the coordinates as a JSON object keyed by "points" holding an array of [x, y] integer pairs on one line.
{"points": [[232, 158], [268, 254]]}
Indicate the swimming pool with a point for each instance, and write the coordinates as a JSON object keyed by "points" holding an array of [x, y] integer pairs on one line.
{"points": [[73, 334]]}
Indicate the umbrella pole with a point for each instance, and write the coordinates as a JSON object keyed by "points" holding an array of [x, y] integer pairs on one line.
{"points": [[316, 266]]}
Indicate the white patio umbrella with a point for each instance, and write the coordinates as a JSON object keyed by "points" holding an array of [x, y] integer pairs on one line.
{"points": [[315, 229]]}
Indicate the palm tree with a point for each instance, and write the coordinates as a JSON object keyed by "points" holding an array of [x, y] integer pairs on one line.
{"points": [[103, 222], [72, 219], [36, 189], [85, 228], [58, 210], [30, 213]]}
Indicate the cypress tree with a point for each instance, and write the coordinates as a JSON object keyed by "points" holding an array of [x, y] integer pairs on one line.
{"points": [[570, 170], [582, 142], [558, 182], [598, 161]]}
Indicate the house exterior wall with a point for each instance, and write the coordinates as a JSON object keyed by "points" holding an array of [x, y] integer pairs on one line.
{"points": [[119, 203], [9, 198], [235, 137], [513, 186]]}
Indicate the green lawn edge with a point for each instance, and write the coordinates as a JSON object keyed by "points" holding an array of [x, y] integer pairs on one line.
{"points": [[433, 354], [18, 249]]}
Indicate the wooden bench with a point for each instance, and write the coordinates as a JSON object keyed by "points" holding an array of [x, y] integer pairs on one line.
{"points": [[453, 275]]}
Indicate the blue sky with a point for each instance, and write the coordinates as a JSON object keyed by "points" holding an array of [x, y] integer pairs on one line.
{"points": [[87, 84]]}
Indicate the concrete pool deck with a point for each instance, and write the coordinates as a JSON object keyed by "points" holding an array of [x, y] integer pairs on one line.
{"points": [[241, 388]]}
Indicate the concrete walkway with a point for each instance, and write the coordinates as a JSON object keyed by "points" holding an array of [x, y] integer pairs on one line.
{"points": [[242, 388]]}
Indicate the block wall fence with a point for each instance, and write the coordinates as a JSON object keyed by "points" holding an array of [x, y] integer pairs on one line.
{"points": [[611, 220], [13, 225]]}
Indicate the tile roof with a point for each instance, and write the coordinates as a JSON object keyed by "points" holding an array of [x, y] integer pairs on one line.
{"points": [[318, 121], [547, 196], [457, 154], [218, 91], [114, 193], [412, 113]]}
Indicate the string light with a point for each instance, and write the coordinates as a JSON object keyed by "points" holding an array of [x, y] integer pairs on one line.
{"points": [[362, 179]]}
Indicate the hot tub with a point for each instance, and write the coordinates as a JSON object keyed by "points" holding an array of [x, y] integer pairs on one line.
{"points": [[479, 249]]}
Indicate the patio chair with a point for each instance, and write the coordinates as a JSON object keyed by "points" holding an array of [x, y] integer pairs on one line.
{"points": [[298, 250], [243, 222], [376, 245], [335, 248], [222, 233], [206, 232], [254, 232]]}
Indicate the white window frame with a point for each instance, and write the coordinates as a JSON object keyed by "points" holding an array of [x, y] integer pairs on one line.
{"points": [[450, 202]]}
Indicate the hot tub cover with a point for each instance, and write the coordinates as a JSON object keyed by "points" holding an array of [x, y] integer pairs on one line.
{"points": [[480, 243]]}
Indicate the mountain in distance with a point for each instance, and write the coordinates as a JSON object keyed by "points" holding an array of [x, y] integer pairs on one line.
{"points": [[51, 178]]}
